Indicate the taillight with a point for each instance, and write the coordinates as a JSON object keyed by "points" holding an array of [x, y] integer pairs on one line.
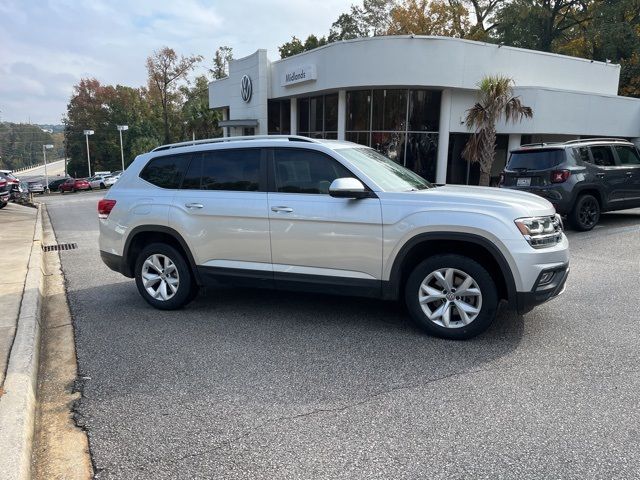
{"points": [[559, 176], [105, 207]]}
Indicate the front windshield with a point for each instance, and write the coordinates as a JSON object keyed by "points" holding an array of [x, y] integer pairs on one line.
{"points": [[390, 176]]}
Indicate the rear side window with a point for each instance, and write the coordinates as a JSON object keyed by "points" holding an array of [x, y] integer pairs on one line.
{"points": [[166, 171], [535, 159], [305, 171], [603, 156], [233, 170], [627, 155]]}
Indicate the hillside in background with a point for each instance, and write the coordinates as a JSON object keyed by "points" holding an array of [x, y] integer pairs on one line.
{"points": [[21, 144]]}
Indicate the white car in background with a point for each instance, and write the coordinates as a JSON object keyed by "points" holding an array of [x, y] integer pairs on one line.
{"points": [[111, 179], [97, 181]]}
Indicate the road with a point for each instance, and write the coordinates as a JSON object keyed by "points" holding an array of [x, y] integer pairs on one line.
{"points": [[274, 385]]}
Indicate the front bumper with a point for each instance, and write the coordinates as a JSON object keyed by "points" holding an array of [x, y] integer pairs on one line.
{"points": [[539, 294]]}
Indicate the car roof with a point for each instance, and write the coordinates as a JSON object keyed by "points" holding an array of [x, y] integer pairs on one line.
{"points": [[572, 143], [254, 141]]}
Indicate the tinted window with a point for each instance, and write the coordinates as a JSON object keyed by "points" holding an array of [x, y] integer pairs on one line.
{"points": [[237, 170], [582, 154], [167, 171], [535, 159], [303, 171], [603, 156], [627, 155]]}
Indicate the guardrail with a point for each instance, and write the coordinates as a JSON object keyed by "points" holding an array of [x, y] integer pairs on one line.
{"points": [[35, 165]]}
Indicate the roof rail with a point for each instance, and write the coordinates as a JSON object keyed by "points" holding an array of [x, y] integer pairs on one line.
{"points": [[597, 139], [291, 138], [539, 144]]}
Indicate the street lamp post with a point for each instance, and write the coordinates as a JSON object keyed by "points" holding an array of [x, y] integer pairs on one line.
{"points": [[86, 134], [122, 128], [44, 156]]}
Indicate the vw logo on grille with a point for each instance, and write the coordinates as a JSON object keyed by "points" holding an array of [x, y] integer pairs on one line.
{"points": [[246, 89]]}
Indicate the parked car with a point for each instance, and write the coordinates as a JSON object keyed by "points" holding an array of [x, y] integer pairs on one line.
{"points": [[111, 179], [97, 181], [13, 181], [581, 178], [5, 194], [74, 185], [36, 187], [336, 217], [54, 186]]}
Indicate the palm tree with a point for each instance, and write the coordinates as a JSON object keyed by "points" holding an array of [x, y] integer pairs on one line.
{"points": [[496, 101]]}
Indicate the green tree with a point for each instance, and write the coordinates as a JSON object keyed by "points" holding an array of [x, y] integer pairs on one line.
{"points": [[495, 103], [346, 27], [166, 70], [21, 145], [221, 61], [540, 24], [293, 47], [198, 119]]}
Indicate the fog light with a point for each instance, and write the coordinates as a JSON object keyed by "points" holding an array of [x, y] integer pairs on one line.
{"points": [[546, 278]]}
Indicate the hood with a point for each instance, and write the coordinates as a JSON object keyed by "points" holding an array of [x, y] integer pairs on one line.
{"points": [[522, 204]]}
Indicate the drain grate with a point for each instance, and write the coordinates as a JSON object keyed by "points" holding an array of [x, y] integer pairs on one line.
{"points": [[59, 246]]}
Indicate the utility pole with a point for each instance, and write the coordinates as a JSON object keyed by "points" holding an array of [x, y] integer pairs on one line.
{"points": [[86, 134], [122, 128]]}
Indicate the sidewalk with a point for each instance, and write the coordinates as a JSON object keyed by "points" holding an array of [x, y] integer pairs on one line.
{"points": [[21, 291], [16, 237]]}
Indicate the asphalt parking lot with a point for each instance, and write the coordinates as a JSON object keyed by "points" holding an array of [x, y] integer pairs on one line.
{"points": [[263, 384]]}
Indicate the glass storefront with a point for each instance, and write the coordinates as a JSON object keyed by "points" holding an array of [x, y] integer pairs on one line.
{"points": [[402, 124], [318, 116], [461, 172], [279, 117]]}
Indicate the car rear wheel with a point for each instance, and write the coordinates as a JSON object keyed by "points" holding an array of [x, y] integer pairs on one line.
{"points": [[3, 204], [451, 296], [585, 213], [163, 277]]}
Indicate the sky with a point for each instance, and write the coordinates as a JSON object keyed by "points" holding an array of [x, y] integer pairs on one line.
{"points": [[47, 46]]}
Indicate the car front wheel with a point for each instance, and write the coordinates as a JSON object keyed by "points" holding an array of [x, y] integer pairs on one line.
{"points": [[451, 296], [163, 277]]}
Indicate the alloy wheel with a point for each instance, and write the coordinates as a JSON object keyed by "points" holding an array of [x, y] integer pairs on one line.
{"points": [[588, 214], [450, 298], [160, 277]]}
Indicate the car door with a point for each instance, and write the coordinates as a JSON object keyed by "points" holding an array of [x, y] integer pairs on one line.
{"points": [[609, 175], [629, 162], [221, 212], [316, 239]]}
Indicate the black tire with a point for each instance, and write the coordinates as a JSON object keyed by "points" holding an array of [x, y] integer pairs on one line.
{"points": [[187, 288], [3, 204], [102, 187], [585, 214], [61, 190], [484, 281]]}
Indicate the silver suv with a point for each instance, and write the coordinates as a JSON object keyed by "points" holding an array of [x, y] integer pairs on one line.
{"points": [[328, 216]]}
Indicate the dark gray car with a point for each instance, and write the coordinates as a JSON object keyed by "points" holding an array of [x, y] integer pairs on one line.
{"points": [[581, 178]]}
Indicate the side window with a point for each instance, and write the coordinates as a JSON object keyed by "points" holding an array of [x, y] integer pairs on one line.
{"points": [[231, 170], [582, 154], [305, 171], [166, 171], [627, 155], [603, 156]]}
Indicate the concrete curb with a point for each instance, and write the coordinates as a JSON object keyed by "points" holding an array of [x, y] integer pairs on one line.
{"points": [[18, 404]]}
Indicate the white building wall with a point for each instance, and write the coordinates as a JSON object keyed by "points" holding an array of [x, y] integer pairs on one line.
{"points": [[561, 112], [227, 91]]}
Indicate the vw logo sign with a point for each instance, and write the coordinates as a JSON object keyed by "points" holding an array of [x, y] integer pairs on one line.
{"points": [[246, 89]]}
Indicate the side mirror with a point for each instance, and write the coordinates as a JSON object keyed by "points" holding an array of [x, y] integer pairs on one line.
{"points": [[348, 188]]}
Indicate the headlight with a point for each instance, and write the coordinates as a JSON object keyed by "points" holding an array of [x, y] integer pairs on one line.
{"points": [[541, 232]]}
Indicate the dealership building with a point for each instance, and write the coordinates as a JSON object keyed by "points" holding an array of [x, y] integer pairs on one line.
{"points": [[407, 96]]}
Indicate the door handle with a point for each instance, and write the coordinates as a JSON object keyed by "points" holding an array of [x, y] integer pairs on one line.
{"points": [[282, 209], [194, 205]]}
